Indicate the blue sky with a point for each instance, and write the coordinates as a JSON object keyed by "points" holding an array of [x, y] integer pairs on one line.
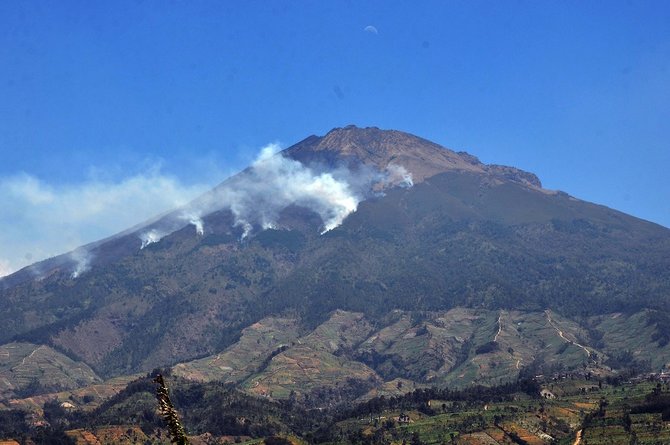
{"points": [[113, 111]]}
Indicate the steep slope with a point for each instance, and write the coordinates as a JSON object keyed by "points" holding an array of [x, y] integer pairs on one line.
{"points": [[346, 355], [257, 345], [28, 369], [464, 235], [455, 240], [371, 146]]}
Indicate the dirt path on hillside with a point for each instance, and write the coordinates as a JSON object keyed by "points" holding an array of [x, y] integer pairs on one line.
{"points": [[495, 339], [23, 362], [560, 334]]}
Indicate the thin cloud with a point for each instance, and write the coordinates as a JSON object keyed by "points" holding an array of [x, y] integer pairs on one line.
{"points": [[40, 220], [5, 268]]}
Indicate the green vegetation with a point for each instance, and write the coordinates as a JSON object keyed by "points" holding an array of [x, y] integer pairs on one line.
{"points": [[637, 414], [607, 411], [350, 357], [27, 369]]}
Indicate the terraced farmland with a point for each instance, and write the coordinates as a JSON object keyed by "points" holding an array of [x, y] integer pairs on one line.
{"points": [[29, 368]]}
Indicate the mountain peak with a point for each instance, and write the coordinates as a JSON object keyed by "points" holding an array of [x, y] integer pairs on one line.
{"points": [[381, 148], [372, 143]]}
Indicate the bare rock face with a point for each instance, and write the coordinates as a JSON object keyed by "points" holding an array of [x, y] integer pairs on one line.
{"points": [[382, 148], [515, 175]]}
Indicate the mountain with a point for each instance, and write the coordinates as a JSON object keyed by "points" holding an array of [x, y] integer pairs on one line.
{"points": [[357, 261]]}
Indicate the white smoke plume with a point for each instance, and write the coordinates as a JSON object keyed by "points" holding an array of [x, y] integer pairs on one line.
{"points": [[274, 182], [257, 196], [199, 226], [151, 236], [398, 176], [82, 262], [195, 220]]}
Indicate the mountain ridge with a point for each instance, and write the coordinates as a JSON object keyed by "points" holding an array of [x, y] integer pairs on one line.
{"points": [[421, 157]]}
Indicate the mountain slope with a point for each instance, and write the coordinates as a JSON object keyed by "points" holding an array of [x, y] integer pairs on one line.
{"points": [[346, 355], [464, 235], [28, 369]]}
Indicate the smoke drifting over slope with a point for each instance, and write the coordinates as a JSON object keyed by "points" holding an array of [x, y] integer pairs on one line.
{"points": [[82, 261], [41, 220], [273, 182]]}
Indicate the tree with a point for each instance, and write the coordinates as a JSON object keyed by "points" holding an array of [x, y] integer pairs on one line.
{"points": [[169, 413]]}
